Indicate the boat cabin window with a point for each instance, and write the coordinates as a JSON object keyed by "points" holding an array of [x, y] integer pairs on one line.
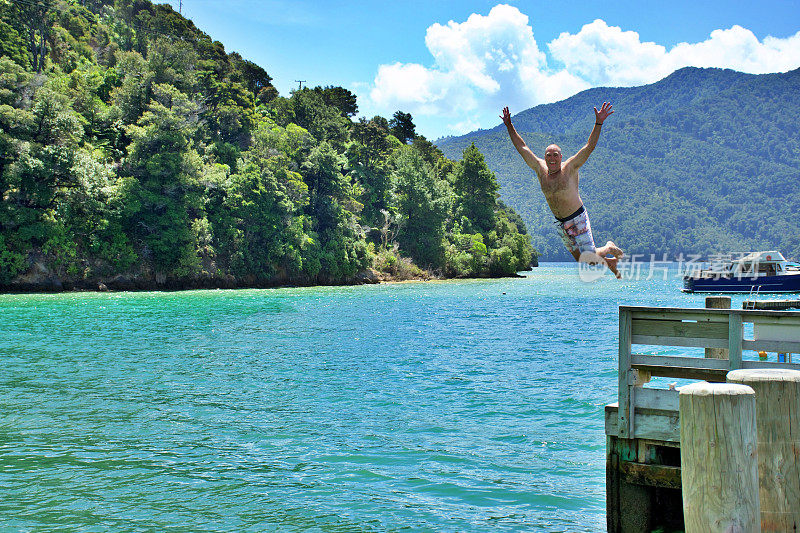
{"points": [[767, 269], [747, 269]]}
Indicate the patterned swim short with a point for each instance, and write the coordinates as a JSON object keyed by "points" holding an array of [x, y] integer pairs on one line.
{"points": [[576, 232]]}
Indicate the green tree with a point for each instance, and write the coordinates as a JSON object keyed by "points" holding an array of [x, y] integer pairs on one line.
{"points": [[88, 87], [33, 21], [340, 249], [252, 76], [307, 109], [174, 62], [164, 200], [340, 98], [476, 190], [511, 250], [89, 223], [132, 96], [42, 165], [402, 126], [368, 163], [265, 238], [327, 186], [12, 42], [423, 204]]}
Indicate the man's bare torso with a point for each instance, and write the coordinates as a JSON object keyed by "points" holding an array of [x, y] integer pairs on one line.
{"points": [[560, 190]]}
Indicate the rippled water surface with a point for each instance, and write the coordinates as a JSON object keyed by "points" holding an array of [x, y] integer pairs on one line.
{"points": [[446, 406]]}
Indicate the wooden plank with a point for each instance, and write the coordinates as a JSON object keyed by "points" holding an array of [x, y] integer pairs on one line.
{"points": [[656, 399], [773, 320], [651, 475], [772, 346], [679, 328], [675, 360], [612, 420], [670, 312], [638, 310], [735, 340], [682, 367], [718, 302], [776, 332], [632, 409], [658, 426], [747, 314], [687, 315], [680, 341], [705, 374], [770, 304], [624, 414], [630, 506]]}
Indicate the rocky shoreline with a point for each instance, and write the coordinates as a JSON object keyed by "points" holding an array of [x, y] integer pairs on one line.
{"points": [[32, 283], [43, 282]]}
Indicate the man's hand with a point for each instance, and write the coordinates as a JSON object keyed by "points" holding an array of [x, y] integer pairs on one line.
{"points": [[600, 116], [577, 160], [532, 161], [506, 116]]}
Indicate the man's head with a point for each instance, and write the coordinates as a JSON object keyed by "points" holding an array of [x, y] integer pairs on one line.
{"points": [[552, 156]]}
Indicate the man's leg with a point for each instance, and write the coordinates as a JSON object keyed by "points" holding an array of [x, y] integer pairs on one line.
{"points": [[611, 263]]}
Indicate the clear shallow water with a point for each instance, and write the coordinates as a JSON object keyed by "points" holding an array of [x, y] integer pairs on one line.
{"points": [[446, 406]]}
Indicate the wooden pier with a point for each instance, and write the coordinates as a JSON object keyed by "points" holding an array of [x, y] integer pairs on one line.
{"points": [[774, 305], [643, 473]]}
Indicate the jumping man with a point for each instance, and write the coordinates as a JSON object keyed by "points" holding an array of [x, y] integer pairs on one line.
{"points": [[559, 182]]}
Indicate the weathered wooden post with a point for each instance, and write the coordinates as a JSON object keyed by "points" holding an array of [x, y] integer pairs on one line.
{"points": [[719, 468], [778, 425], [717, 302]]}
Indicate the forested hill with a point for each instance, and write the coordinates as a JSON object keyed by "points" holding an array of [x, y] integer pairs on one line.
{"points": [[704, 161], [135, 152]]}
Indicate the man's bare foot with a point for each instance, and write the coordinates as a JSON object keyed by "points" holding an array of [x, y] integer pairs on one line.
{"points": [[614, 250], [600, 258]]}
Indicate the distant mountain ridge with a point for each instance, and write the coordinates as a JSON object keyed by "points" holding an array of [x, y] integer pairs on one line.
{"points": [[704, 161]]}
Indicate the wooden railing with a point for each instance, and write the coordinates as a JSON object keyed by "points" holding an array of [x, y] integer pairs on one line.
{"points": [[653, 413]]}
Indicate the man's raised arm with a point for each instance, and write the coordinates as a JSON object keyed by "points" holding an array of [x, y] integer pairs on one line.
{"points": [[530, 158], [577, 160]]}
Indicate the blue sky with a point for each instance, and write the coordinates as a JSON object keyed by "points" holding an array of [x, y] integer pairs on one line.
{"points": [[454, 64]]}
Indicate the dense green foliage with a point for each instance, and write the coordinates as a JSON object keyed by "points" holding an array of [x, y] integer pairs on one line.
{"points": [[705, 161], [132, 145]]}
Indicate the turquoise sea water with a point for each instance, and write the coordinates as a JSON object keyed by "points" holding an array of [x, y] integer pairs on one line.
{"points": [[443, 406]]}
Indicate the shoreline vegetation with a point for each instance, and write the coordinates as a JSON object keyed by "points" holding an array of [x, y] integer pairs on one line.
{"points": [[136, 154]]}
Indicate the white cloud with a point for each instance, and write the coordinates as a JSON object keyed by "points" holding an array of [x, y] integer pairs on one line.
{"points": [[739, 49], [482, 58], [607, 55], [486, 62], [412, 86]]}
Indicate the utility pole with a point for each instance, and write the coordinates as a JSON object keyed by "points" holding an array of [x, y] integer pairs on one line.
{"points": [[180, 6], [301, 82]]}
